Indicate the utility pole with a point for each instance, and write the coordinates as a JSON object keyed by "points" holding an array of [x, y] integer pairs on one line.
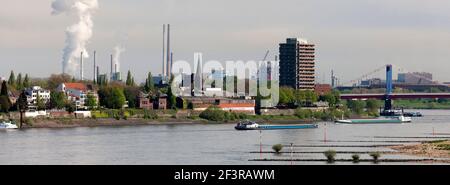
{"points": [[292, 153], [260, 144]]}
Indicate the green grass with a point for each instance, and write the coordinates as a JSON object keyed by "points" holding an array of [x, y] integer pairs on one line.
{"points": [[435, 141], [444, 146], [100, 114], [421, 104]]}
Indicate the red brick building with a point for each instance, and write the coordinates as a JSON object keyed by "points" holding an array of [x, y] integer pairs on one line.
{"points": [[322, 89], [145, 103]]}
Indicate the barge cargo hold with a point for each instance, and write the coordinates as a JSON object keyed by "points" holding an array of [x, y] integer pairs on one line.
{"points": [[394, 119], [250, 125]]}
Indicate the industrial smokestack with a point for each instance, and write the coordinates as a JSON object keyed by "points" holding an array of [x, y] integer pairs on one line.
{"points": [[81, 67], [94, 75], [332, 79], [111, 65], [98, 72], [168, 50], [163, 51], [170, 64]]}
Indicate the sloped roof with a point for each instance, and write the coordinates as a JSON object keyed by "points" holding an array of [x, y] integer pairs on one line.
{"points": [[78, 86]]}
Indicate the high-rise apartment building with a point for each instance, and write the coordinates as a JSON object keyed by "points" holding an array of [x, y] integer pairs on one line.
{"points": [[297, 64]]}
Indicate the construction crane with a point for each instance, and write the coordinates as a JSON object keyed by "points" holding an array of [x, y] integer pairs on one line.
{"points": [[263, 60], [265, 56]]}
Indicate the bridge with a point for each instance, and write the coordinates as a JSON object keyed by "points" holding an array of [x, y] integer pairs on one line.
{"points": [[394, 96], [388, 96]]}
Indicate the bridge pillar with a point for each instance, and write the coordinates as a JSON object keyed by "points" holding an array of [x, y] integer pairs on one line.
{"points": [[387, 98], [387, 103], [388, 79]]}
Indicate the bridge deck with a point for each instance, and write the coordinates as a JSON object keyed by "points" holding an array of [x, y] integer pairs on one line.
{"points": [[395, 96]]}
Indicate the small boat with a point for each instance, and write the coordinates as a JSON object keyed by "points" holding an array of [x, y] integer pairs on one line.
{"points": [[390, 119], [247, 125], [251, 125], [7, 125]]}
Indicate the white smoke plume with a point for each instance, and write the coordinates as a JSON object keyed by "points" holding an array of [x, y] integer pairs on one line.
{"points": [[78, 34], [116, 56]]}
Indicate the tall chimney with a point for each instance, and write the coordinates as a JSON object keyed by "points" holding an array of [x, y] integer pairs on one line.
{"points": [[168, 50], [98, 72], [170, 64], [81, 67], [332, 79], [163, 52], [111, 67], [94, 76]]}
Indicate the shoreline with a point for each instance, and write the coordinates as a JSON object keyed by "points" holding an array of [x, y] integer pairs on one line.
{"points": [[74, 123], [99, 122]]}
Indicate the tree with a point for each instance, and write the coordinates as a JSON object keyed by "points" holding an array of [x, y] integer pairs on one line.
{"points": [[328, 98], [286, 95], [26, 81], [12, 79], [111, 97], [131, 95], [213, 114], [5, 104], [117, 98], [337, 97], [91, 101], [70, 107], [40, 104], [357, 106], [57, 100], [56, 79], [332, 98], [129, 80], [149, 85], [372, 105], [22, 104], [311, 97], [19, 84], [4, 91], [132, 82], [171, 98]]}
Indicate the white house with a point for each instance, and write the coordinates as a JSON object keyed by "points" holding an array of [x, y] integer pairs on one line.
{"points": [[76, 93], [34, 92]]}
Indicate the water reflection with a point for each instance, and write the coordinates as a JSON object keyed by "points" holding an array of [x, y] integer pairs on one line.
{"points": [[203, 144]]}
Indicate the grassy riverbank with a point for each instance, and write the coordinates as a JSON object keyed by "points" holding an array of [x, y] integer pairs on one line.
{"points": [[91, 122], [422, 104]]}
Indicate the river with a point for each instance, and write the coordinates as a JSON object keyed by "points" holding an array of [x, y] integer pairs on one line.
{"points": [[203, 143]]}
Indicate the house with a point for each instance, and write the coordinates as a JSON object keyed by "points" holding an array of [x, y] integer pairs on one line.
{"points": [[145, 103], [77, 93], [35, 92], [196, 103], [237, 105], [226, 104], [161, 102]]}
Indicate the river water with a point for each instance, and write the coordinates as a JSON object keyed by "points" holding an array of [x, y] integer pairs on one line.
{"points": [[206, 143]]}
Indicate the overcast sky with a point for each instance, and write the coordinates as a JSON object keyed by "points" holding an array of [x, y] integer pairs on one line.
{"points": [[352, 37]]}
